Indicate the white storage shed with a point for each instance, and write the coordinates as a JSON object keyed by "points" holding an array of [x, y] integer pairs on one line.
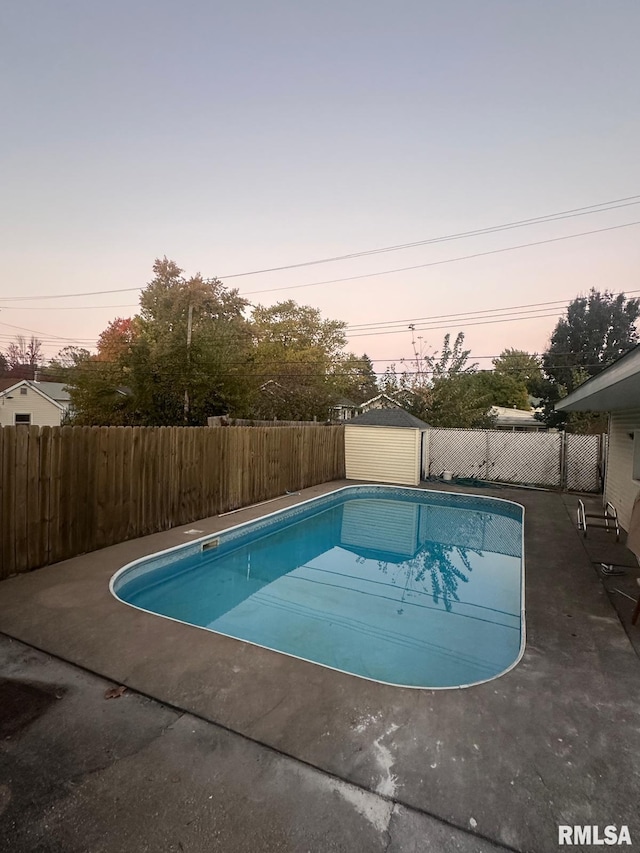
{"points": [[384, 445]]}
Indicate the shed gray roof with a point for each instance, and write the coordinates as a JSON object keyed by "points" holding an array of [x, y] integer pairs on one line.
{"points": [[388, 418]]}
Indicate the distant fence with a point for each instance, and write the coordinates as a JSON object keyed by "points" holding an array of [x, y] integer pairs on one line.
{"points": [[551, 459], [223, 420], [69, 490]]}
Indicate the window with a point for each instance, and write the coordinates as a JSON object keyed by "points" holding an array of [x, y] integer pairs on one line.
{"points": [[23, 419], [23, 390]]}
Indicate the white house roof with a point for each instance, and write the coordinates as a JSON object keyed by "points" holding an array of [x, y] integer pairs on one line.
{"points": [[380, 397], [617, 387]]}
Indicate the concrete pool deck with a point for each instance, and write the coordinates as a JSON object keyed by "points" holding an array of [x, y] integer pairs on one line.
{"points": [[500, 765]]}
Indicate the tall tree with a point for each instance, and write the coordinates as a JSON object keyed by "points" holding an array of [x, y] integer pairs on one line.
{"points": [[294, 358], [502, 389], [522, 366], [192, 350], [460, 401], [118, 339], [97, 384], [182, 358], [354, 377], [68, 358], [442, 388], [597, 329], [450, 360], [61, 368], [99, 397]]}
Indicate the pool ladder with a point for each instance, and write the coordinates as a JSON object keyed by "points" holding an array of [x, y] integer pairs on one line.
{"points": [[608, 519]]}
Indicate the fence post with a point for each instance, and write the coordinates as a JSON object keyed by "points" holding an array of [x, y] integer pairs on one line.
{"points": [[603, 446], [563, 460], [425, 456], [488, 451]]}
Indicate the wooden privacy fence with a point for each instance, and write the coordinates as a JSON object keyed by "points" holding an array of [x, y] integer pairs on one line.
{"points": [[69, 490], [223, 420]]}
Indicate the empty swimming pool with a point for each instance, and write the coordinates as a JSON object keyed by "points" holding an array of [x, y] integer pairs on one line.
{"points": [[408, 587]]}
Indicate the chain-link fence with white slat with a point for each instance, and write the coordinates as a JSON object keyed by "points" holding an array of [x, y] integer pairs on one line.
{"points": [[549, 459]]}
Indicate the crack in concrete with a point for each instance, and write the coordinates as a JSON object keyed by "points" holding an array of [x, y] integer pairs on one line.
{"points": [[267, 712], [541, 778], [389, 831], [74, 781]]}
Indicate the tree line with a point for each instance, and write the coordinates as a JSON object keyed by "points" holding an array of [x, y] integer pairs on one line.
{"points": [[197, 348]]}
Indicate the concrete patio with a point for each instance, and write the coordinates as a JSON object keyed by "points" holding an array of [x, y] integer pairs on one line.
{"points": [[218, 745]]}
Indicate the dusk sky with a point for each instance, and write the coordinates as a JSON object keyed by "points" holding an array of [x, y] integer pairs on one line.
{"points": [[238, 136]]}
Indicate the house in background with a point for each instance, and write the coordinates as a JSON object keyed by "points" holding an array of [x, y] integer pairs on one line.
{"points": [[343, 410], [33, 403], [380, 401], [516, 420], [616, 390]]}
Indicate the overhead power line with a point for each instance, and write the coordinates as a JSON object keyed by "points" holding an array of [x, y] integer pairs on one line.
{"points": [[47, 335], [332, 368], [171, 373], [461, 323], [555, 307], [399, 359], [614, 204], [402, 324], [559, 303], [359, 334], [445, 261], [65, 307], [552, 217], [530, 311]]}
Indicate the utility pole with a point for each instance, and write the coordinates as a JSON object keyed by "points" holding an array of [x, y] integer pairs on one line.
{"points": [[186, 390]]}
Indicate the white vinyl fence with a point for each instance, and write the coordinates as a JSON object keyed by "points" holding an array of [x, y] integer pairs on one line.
{"points": [[552, 459]]}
